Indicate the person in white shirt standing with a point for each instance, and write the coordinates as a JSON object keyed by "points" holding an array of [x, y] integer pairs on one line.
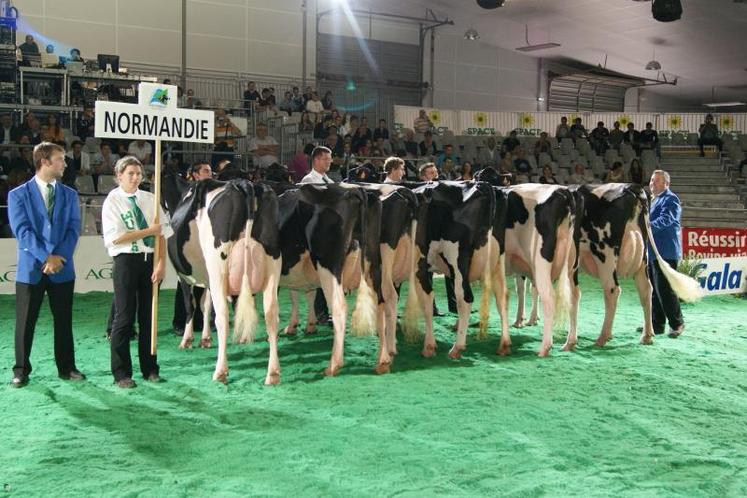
{"points": [[129, 236], [321, 160]]}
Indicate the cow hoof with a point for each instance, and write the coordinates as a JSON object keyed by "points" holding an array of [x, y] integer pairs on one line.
{"points": [[382, 368], [291, 331], [532, 323], [504, 350], [600, 342], [429, 351], [569, 346], [272, 379], [455, 353], [518, 324], [186, 344], [310, 330], [206, 343], [544, 352], [221, 377], [331, 371], [647, 340], [393, 352]]}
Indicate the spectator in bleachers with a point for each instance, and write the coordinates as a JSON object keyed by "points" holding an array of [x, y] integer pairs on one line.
{"points": [[521, 166], [307, 95], [427, 146], [542, 145], [328, 103], [226, 170], [633, 138], [362, 134], [321, 126], [447, 154], [251, 96], [23, 164], [510, 142], [315, 105], [102, 163], [287, 104], [709, 135], [381, 131], [635, 173], [352, 125], [616, 136], [339, 122], [75, 55], [427, 172], [649, 138], [31, 128], [579, 176], [190, 102], [333, 143], [143, 150], [225, 136], [547, 176], [364, 150], [78, 164], [305, 125], [505, 169], [382, 148], [85, 124], [448, 170], [9, 133], [409, 144], [298, 102], [29, 47], [563, 130], [347, 158], [422, 123], [53, 132], [578, 130], [466, 172], [266, 100], [300, 164], [490, 155], [616, 174], [264, 148], [599, 139]]}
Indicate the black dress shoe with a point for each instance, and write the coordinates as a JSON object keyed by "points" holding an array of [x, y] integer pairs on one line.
{"points": [[75, 375], [674, 333], [126, 383], [18, 382]]}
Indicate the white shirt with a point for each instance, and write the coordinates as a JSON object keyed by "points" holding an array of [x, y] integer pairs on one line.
{"points": [[316, 177], [118, 218], [314, 106], [266, 160], [140, 152], [43, 189]]}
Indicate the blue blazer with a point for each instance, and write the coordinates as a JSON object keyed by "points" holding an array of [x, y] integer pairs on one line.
{"points": [[37, 237], [665, 217]]}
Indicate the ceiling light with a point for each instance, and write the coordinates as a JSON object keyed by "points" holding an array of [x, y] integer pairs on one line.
{"points": [[724, 104], [531, 48], [471, 34], [653, 65]]}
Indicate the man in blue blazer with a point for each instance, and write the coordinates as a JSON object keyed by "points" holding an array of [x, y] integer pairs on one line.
{"points": [[665, 216], [45, 218]]}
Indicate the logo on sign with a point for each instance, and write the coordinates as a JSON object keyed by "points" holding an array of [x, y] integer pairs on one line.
{"points": [[8, 275], [160, 97], [101, 272], [721, 278]]}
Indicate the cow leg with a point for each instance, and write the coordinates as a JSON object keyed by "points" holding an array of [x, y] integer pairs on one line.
{"points": [[643, 284], [426, 302], [387, 315], [533, 318], [572, 340], [220, 302], [272, 319], [206, 341], [500, 290], [464, 309], [611, 294], [335, 296], [520, 291], [290, 329], [384, 362], [189, 310], [310, 313], [543, 281]]}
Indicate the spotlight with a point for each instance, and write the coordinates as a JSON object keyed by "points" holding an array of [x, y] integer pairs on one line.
{"points": [[490, 4], [666, 10], [653, 65], [471, 34]]}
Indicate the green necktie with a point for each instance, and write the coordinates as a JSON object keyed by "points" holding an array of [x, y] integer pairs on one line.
{"points": [[141, 223], [50, 200]]}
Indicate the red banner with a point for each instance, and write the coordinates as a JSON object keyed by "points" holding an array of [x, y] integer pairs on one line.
{"points": [[701, 243]]}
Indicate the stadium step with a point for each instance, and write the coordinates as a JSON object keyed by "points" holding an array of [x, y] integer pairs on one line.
{"points": [[711, 223], [713, 198], [697, 204], [705, 189], [687, 181]]}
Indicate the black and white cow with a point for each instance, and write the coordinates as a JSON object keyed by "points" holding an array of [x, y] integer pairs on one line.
{"points": [[453, 238], [226, 238]]}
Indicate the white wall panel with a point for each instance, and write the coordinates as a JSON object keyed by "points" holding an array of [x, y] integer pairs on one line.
{"points": [[149, 46], [211, 19], [82, 10], [160, 15]]}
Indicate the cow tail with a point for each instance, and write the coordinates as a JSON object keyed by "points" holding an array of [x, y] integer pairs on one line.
{"points": [[563, 286], [245, 321], [686, 288], [363, 321], [412, 307], [487, 290]]}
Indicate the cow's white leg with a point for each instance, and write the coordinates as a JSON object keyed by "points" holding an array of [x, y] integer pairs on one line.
{"points": [[643, 284], [311, 313], [572, 340], [206, 341], [272, 318], [189, 334], [463, 308], [520, 291], [216, 271], [335, 297], [543, 281], [533, 318], [391, 298], [426, 301], [290, 329], [500, 290], [611, 294], [384, 361]]}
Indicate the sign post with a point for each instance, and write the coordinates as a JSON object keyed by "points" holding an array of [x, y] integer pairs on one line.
{"points": [[155, 117]]}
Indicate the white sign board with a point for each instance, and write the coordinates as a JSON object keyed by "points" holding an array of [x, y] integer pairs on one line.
{"points": [[93, 267], [724, 275], [156, 116]]}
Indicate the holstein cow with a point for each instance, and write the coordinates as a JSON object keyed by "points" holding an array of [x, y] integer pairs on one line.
{"points": [[614, 232], [222, 227], [328, 239], [453, 237], [539, 244]]}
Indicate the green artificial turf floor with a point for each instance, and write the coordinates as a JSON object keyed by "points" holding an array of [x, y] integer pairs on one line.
{"points": [[629, 420]]}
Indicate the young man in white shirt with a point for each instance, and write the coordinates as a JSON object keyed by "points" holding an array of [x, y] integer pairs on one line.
{"points": [[395, 170], [321, 160]]}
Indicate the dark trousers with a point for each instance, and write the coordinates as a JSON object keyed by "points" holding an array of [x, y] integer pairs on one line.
{"points": [[28, 303], [665, 306], [709, 141], [110, 322], [132, 295]]}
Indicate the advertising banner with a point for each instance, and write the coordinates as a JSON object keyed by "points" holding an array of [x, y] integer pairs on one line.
{"points": [[724, 275], [702, 243]]}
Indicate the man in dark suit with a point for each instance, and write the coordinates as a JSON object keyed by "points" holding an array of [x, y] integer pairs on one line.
{"points": [[633, 138], [45, 219]]}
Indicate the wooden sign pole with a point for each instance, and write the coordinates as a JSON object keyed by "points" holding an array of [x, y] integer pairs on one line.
{"points": [[157, 249]]}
